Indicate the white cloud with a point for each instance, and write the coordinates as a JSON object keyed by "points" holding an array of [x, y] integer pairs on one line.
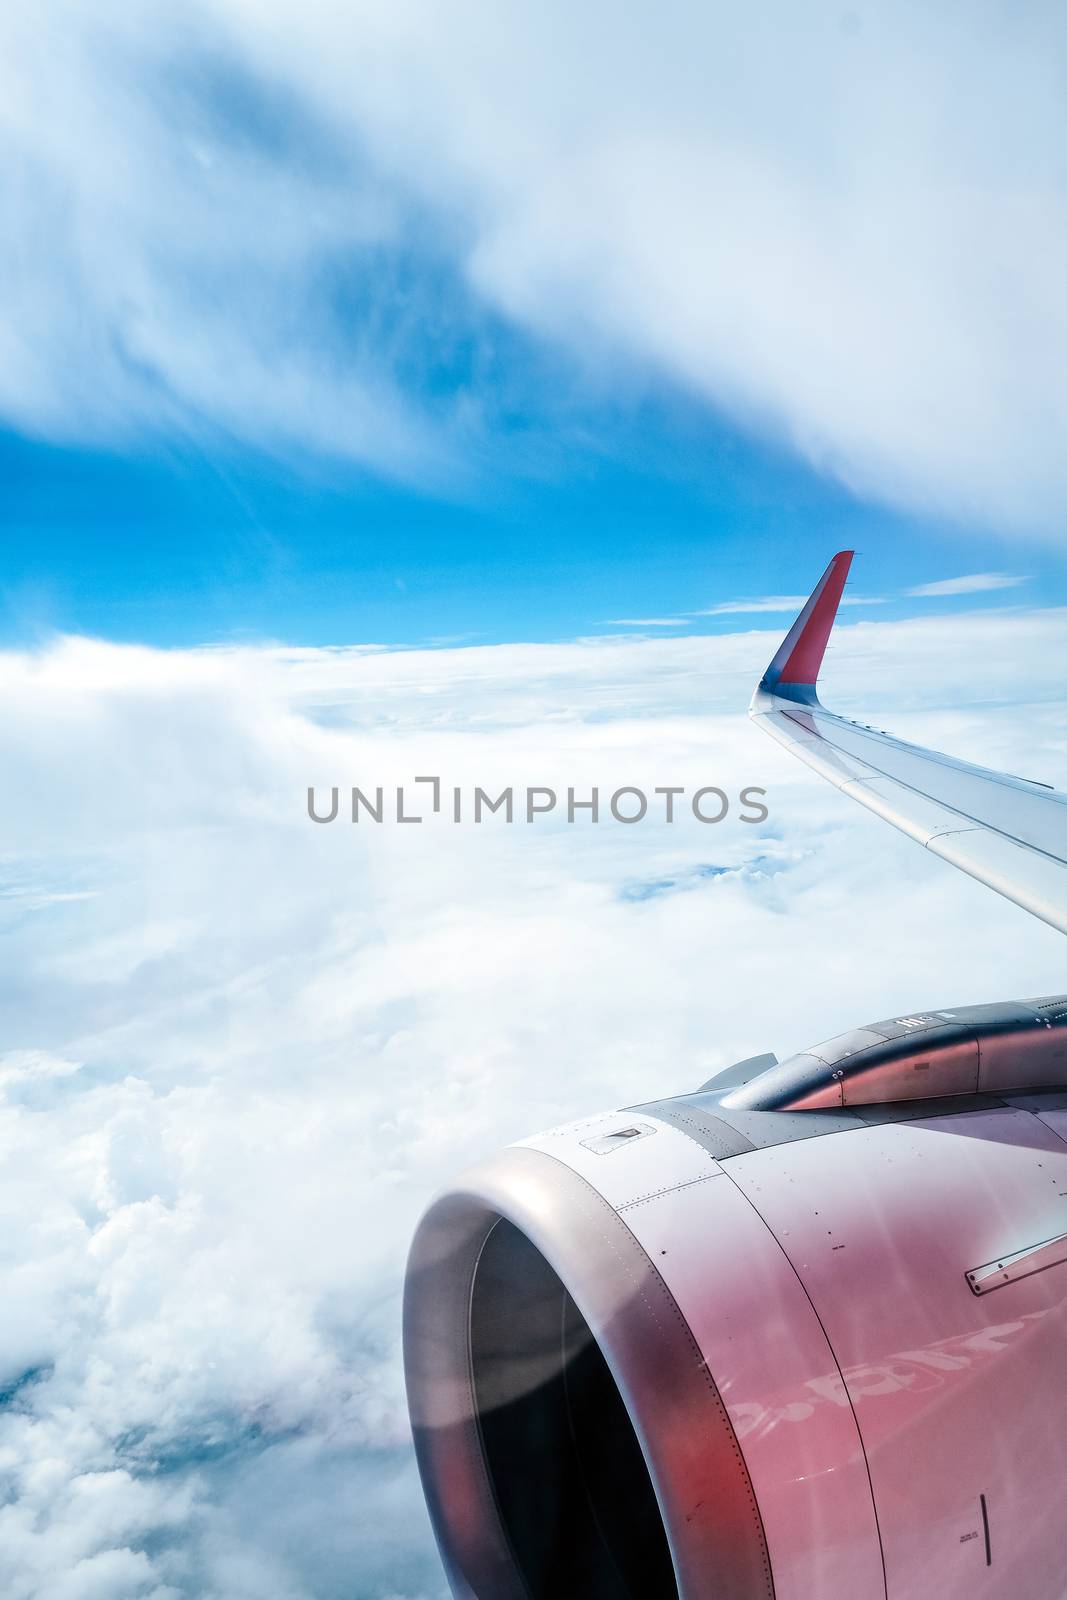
{"points": [[843, 228], [773, 603], [172, 275], [240, 1067], [973, 583], [647, 622]]}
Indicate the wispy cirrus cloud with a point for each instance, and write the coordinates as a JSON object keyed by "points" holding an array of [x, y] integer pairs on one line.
{"points": [[971, 583], [770, 604], [647, 622], [790, 604], [773, 603]]}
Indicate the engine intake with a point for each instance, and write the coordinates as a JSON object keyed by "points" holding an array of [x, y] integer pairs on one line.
{"points": [[570, 1436]]}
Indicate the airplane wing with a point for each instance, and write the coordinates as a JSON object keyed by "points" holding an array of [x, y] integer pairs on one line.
{"points": [[1007, 832]]}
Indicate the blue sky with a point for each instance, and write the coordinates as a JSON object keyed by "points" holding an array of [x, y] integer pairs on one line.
{"points": [[387, 332], [636, 517]]}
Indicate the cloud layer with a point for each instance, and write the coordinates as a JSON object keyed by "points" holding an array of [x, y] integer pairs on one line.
{"points": [[243, 1050], [312, 226]]}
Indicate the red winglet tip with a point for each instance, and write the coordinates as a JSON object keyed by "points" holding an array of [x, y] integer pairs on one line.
{"points": [[801, 653]]}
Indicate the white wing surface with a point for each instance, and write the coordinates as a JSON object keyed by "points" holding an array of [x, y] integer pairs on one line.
{"points": [[1008, 832]]}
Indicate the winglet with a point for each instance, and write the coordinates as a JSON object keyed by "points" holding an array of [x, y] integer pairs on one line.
{"points": [[793, 673]]}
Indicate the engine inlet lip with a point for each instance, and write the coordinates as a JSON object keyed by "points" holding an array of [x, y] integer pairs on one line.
{"points": [[694, 1460]]}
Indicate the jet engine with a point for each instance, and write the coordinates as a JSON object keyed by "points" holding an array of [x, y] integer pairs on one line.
{"points": [[801, 1334]]}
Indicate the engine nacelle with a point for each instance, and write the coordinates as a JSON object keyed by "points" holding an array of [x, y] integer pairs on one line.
{"points": [[702, 1350]]}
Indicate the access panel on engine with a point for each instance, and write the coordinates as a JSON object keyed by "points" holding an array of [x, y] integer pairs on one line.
{"points": [[960, 1399]]}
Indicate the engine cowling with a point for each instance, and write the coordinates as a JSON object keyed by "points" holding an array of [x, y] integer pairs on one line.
{"points": [[701, 1350]]}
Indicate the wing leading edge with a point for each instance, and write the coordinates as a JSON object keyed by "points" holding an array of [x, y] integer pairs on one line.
{"points": [[1007, 832]]}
